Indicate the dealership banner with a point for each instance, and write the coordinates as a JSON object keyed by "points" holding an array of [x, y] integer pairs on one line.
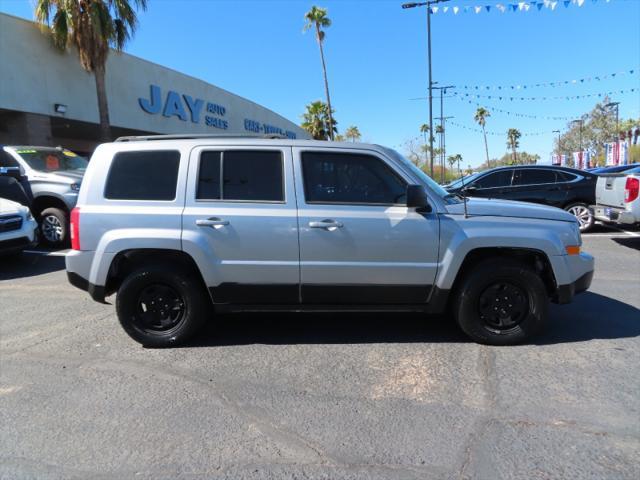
{"points": [[617, 153], [582, 160]]}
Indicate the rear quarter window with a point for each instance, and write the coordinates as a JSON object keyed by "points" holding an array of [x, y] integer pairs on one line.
{"points": [[145, 175]]}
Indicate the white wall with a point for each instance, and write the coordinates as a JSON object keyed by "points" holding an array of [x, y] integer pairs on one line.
{"points": [[34, 76]]}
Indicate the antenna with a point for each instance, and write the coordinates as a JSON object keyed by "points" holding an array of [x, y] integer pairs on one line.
{"points": [[464, 195]]}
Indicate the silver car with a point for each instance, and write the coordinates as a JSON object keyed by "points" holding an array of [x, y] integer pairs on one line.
{"points": [[184, 228]]}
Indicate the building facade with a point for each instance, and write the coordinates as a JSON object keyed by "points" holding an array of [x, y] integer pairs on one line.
{"points": [[46, 98]]}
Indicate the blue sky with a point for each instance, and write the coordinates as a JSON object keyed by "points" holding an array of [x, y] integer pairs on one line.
{"points": [[376, 58]]}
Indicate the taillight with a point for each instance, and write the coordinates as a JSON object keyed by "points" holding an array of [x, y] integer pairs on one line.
{"points": [[631, 189], [75, 228]]}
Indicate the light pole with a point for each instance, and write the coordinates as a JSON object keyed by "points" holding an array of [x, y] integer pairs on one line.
{"points": [[443, 147], [428, 5], [611, 105], [581, 122], [443, 92]]}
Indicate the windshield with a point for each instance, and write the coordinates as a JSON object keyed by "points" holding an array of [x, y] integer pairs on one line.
{"points": [[433, 186], [52, 160], [466, 179]]}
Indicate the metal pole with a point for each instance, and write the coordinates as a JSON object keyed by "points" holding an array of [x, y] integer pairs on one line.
{"points": [[430, 89]]}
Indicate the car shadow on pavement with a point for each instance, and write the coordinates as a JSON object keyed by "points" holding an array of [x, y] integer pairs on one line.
{"points": [[326, 328], [23, 265], [629, 242], [590, 317]]}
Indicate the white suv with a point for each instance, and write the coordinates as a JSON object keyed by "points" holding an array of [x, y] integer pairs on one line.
{"points": [[181, 227]]}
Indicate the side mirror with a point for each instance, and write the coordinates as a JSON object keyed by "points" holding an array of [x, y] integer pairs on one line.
{"points": [[417, 198]]}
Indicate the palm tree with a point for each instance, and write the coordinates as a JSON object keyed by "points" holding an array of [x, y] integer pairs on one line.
{"points": [[316, 120], [453, 159], [513, 134], [317, 18], [424, 129], [92, 27], [481, 118], [352, 133]]}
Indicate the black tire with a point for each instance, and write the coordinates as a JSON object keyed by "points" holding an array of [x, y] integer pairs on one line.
{"points": [[521, 305], [54, 227], [583, 214], [161, 305]]}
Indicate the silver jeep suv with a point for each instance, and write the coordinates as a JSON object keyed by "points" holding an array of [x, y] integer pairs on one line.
{"points": [[184, 227]]}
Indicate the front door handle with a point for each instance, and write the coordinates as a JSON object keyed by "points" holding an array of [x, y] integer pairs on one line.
{"points": [[326, 224], [213, 222]]}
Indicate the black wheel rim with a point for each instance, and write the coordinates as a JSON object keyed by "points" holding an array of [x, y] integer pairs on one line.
{"points": [[503, 306], [160, 308]]}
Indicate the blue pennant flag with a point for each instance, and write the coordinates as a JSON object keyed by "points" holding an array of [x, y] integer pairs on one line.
{"points": [[566, 3], [539, 5], [488, 7], [513, 7]]}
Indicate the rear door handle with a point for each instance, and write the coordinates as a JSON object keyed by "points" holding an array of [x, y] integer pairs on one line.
{"points": [[212, 222], [326, 224]]}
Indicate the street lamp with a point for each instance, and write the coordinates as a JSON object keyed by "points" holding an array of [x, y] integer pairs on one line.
{"points": [[428, 5], [611, 105]]}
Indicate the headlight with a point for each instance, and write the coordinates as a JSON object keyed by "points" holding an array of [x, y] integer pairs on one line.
{"points": [[75, 187]]}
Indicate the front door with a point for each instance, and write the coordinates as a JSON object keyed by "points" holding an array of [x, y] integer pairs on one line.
{"points": [[240, 223], [359, 243]]}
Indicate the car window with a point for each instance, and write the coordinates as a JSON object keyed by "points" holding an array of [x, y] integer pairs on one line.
{"points": [[247, 175], [565, 176], [534, 176], [350, 178], [7, 160], [501, 178], [52, 160], [146, 175]]}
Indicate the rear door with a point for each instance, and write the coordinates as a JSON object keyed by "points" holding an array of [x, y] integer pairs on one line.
{"points": [[240, 224], [359, 243]]}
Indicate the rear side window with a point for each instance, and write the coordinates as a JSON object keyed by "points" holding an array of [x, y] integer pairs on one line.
{"points": [[565, 176], [350, 178], [534, 176], [147, 175], [241, 175], [501, 178]]}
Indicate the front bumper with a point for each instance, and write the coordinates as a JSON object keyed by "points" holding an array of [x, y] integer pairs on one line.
{"points": [[18, 240], [565, 293]]}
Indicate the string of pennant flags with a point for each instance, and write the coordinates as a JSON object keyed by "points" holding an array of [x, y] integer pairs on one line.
{"points": [[517, 114], [559, 83], [501, 134], [529, 6], [556, 97]]}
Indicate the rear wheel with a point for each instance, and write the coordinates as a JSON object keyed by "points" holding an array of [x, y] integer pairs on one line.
{"points": [[159, 306], [583, 214], [54, 226], [501, 302]]}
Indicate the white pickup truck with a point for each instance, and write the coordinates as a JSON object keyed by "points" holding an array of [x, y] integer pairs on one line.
{"points": [[618, 198]]}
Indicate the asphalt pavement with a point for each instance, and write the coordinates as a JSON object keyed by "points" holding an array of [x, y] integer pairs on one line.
{"points": [[302, 396]]}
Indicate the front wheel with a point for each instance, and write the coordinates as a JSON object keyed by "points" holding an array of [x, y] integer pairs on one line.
{"points": [[501, 302], [583, 214], [54, 226], [159, 306]]}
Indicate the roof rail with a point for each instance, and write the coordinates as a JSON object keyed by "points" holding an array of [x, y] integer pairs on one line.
{"points": [[193, 136]]}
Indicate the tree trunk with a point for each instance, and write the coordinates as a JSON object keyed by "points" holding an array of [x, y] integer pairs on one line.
{"points": [[103, 106], [486, 146], [326, 83]]}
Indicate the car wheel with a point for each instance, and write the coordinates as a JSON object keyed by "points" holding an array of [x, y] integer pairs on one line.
{"points": [[501, 302], [583, 214], [54, 226], [161, 306]]}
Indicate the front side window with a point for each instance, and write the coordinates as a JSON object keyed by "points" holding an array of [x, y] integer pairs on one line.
{"points": [[497, 179], [534, 176], [147, 175], [241, 175], [350, 178]]}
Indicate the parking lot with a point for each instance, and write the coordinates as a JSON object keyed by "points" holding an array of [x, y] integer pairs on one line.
{"points": [[319, 396]]}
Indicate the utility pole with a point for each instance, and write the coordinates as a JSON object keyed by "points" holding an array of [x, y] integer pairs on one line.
{"points": [[443, 148], [443, 92], [428, 5]]}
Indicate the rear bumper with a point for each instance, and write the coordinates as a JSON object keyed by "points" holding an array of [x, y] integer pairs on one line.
{"points": [[96, 291], [614, 215]]}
